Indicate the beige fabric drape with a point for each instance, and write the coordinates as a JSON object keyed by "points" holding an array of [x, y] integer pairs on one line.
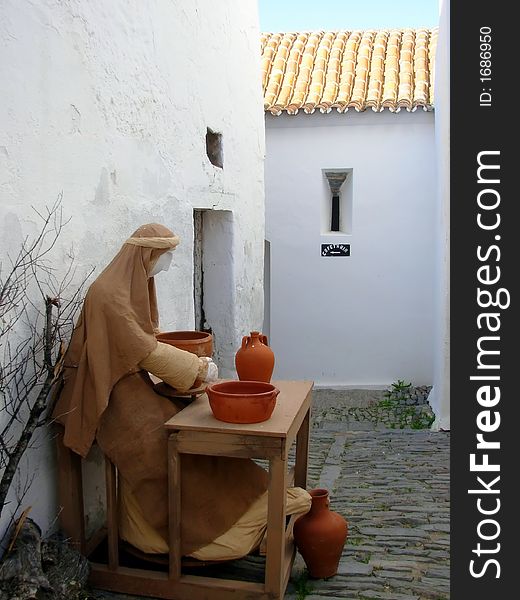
{"points": [[216, 491], [243, 537], [107, 396], [115, 331]]}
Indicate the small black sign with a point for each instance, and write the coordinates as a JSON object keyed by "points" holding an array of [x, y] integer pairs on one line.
{"points": [[335, 249]]}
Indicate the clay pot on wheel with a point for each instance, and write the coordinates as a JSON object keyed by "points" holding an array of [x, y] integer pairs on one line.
{"points": [[196, 342], [320, 536], [254, 360], [199, 343]]}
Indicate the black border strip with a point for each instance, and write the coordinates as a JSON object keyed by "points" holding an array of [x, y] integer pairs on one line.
{"points": [[483, 124]]}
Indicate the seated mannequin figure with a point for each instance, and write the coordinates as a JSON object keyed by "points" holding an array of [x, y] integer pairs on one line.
{"points": [[108, 397]]}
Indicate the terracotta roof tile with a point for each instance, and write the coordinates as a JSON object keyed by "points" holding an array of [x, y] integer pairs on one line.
{"points": [[348, 69]]}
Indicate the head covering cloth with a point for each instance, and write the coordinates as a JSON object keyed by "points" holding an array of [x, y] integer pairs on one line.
{"points": [[115, 331]]}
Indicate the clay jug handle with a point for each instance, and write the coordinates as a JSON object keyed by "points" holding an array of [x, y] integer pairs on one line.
{"points": [[263, 339], [244, 342]]}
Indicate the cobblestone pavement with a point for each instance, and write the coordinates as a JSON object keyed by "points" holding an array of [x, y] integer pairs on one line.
{"points": [[392, 486]]}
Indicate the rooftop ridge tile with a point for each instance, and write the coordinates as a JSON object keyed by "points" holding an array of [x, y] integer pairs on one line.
{"points": [[374, 68]]}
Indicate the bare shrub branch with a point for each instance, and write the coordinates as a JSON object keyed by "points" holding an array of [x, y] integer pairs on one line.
{"points": [[38, 304]]}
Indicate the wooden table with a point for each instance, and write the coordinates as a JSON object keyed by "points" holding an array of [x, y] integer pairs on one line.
{"points": [[194, 430]]}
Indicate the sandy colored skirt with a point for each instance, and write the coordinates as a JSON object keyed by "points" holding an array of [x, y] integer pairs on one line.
{"points": [[243, 537]]}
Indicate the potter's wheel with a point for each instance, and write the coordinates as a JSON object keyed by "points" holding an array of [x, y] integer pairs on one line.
{"points": [[170, 392]]}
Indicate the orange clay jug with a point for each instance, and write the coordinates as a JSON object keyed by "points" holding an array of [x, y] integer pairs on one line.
{"points": [[254, 360], [320, 536]]}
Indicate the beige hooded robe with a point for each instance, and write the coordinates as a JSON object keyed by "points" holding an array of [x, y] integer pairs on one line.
{"points": [[107, 397]]}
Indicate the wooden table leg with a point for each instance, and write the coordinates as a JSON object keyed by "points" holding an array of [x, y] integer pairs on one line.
{"points": [[174, 507], [275, 558], [302, 453]]}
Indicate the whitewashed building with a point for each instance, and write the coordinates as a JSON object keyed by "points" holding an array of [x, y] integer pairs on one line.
{"points": [[352, 208], [138, 112]]}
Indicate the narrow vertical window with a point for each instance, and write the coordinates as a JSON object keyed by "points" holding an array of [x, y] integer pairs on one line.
{"points": [[338, 211]]}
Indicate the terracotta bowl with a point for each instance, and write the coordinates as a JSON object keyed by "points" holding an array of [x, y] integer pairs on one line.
{"points": [[242, 401], [197, 342]]}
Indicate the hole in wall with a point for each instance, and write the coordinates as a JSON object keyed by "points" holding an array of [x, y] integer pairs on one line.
{"points": [[214, 148]]}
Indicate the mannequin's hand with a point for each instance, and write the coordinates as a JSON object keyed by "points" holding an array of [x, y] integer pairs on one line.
{"points": [[212, 370]]}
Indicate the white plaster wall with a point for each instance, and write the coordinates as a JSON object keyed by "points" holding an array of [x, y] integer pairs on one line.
{"points": [[108, 102], [440, 394], [364, 320]]}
